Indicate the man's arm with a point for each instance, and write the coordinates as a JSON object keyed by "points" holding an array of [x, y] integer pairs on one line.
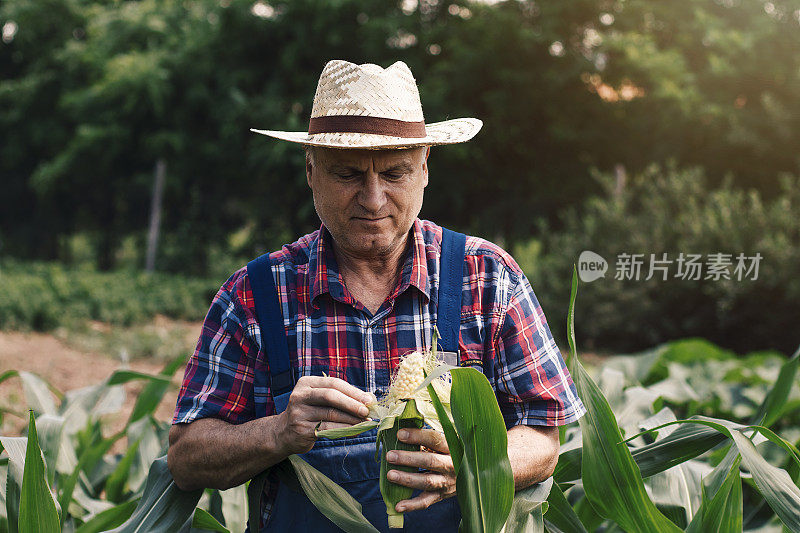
{"points": [[533, 452], [217, 454]]}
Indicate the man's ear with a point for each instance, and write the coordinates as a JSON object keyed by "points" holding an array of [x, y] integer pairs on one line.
{"points": [[425, 165], [309, 167]]}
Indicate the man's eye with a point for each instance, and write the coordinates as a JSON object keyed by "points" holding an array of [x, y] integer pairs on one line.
{"points": [[393, 175], [346, 176]]}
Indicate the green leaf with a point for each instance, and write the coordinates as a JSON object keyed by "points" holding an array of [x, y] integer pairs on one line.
{"points": [[120, 377], [528, 508], [90, 456], [115, 484], [484, 482], [37, 507], [721, 510], [454, 443], [15, 448], [163, 507], [686, 442], [110, 518], [331, 499], [356, 429], [391, 492], [38, 393], [774, 403], [203, 520], [153, 392], [561, 513], [774, 484], [611, 478]]}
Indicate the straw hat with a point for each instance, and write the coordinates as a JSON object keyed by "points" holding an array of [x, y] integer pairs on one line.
{"points": [[366, 106]]}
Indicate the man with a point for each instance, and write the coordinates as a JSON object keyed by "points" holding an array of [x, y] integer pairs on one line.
{"points": [[307, 334]]}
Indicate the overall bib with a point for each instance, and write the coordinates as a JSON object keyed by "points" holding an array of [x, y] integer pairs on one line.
{"points": [[350, 461]]}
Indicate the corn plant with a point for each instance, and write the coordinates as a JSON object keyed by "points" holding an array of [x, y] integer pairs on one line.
{"points": [[651, 454]]}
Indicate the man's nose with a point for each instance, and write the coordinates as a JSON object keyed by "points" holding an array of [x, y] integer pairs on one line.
{"points": [[372, 196]]}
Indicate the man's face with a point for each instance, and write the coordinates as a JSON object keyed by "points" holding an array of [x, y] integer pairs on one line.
{"points": [[368, 199]]}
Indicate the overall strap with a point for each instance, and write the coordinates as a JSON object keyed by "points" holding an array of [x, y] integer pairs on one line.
{"points": [[270, 320], [451, 279]]}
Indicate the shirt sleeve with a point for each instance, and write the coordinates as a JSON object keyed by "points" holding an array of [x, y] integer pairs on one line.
{"points": [[218, 382], [533, 384]]}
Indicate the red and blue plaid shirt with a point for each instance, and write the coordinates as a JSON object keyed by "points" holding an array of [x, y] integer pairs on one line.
{"points": [[503, 328]]}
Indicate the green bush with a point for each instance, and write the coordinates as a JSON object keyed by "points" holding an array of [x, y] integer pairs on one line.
{"points": [[669, 210], [42, 296]]}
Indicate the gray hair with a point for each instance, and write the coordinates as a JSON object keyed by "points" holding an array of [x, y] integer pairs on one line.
{"points": [[309, 153]]}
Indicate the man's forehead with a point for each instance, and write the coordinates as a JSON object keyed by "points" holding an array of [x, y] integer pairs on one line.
{"points": [[358, 157]]}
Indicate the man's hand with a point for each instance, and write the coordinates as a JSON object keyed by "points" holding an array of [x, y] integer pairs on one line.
{"points": [[319, 401], [438, 483]]}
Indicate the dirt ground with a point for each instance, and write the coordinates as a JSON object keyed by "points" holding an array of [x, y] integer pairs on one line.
{"points": [[67, 367]]}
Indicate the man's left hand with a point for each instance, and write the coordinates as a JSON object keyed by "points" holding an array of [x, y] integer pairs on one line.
{"points": [[438, 483]]}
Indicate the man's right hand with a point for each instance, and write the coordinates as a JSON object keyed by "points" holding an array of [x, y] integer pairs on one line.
{"points": [[324, 401]]}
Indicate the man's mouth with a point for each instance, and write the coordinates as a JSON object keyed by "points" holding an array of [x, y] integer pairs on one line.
{"points": [[370, 219]]}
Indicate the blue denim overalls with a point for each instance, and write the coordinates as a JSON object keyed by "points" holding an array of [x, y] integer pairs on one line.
{"points": [[350, 462]]}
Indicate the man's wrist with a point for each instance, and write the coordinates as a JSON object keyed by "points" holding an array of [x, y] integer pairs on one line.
{"points": [[274, 443]]}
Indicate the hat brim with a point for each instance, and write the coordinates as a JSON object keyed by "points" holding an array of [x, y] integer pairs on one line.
{"points": [[453, 131]]}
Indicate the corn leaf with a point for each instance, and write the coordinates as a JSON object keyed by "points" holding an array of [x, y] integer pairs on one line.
{"points": [[528, 508], [163, 507], [561, 514], [202, 519], [115, 484], [48, 430], [454, 443], [90, 456], [775, 402], [37, 507], [110, 518], [331, 499], [356, 429], [721, 509], [774, 484], [38, 393], [120, 377], [153, 392], [484, 483], [611, 478], [15, 448]]}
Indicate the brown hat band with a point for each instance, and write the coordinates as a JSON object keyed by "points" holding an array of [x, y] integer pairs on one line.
{"points": [[364, 124]]}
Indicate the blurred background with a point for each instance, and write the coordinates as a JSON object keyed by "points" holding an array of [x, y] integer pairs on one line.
{"points": [[132, 188]]}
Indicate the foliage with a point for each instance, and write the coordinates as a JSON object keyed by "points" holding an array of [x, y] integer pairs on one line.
{"points": [[698, 470], [43, 296], [666, 210], [95, 93]]}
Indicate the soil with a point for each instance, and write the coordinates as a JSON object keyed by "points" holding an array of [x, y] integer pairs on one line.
{"points": [[66, 368]]}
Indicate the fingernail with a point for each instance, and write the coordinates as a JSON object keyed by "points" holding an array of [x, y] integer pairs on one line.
{"points": [[400, 508], [402, 434], [392, 475], [363, 410], [391, 456]]}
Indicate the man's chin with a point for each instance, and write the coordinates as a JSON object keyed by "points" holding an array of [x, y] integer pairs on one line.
{"points": [[371, 245]]}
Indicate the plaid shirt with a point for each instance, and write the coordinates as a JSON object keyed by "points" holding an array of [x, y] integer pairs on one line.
{"points": [[503, 328]]}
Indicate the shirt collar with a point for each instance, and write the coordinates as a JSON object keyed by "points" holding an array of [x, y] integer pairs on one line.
{"points": [[323, 267]]}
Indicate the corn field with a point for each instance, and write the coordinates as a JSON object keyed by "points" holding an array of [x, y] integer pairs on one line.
{"points": [[683, 437]]}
